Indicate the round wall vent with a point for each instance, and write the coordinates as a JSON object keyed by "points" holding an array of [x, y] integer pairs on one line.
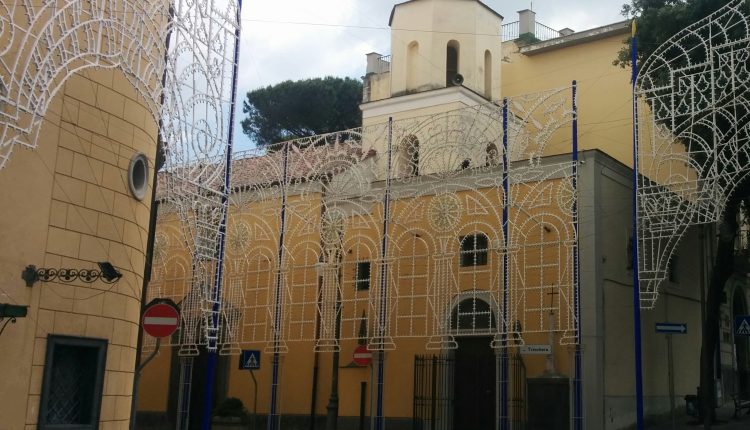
{"points": [[138, 176]]}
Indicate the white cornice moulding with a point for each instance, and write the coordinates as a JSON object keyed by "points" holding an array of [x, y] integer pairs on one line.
{"points": [[421, 100]]}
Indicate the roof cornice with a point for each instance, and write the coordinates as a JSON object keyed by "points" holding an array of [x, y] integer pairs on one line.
{"points": [[602, 32], [390, 20]]}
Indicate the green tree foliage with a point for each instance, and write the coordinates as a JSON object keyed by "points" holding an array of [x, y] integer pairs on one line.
{"points": [[293, 109], [657, 21]]}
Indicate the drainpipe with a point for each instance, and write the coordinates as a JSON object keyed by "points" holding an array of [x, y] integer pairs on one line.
{"points": [[316, 361], [333, 401], [158, 164]]}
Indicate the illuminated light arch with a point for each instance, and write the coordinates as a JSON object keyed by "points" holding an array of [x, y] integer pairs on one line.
{"points": [[49, 42], [180, 58], [693, 143], [343, 173]]}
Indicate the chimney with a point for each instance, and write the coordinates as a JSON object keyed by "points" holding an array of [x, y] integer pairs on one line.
{"points": [[373, 59], [566, 31], [526, 21]]}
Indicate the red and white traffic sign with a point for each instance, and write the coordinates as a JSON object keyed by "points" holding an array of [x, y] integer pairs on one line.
{"points": [[161, 320], [362, 356]]}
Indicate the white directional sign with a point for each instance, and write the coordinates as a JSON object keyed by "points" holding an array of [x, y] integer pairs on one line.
{"points": [[742, 325], [536, 349], [671, 328], [250, 359]]}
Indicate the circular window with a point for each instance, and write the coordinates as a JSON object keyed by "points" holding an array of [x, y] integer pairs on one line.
{"points": [[138, 176]]}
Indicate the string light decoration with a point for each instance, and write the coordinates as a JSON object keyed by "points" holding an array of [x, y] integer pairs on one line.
{"points": [[43, 43], [181, 59], [442, 275], [692, 149], [201, 89]]}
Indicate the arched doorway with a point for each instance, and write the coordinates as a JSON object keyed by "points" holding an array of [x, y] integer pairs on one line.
{"points": [[473, 321], [739, 307]]}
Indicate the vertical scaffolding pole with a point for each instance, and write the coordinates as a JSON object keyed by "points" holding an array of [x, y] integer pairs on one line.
{"points": [[504, 422], [383, 315], [273, 414], [636, 284], [578, 375], [212, 346]]}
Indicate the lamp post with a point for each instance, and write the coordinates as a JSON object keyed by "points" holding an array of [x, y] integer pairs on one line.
{"points": [[10, 312]]}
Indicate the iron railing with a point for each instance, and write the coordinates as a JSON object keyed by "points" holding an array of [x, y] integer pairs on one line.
{"points": [[511, 31], [433, 392], [383, 64], [542, 32], [517, 392]]}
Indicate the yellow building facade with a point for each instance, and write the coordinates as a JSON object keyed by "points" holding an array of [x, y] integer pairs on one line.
{"points": [[454, 284], [74, 210]]}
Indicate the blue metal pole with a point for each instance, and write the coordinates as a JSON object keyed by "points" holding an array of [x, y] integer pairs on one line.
{"points": [[636, 285], [578, 376], [216, 293], [379, 418], [273, 414], [504, 422]]}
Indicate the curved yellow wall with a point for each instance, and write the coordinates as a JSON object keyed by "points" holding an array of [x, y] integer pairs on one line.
{"points": [[67, 205]]}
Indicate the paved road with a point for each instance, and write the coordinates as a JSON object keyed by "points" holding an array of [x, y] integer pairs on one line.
{"points": [[724, 415]]}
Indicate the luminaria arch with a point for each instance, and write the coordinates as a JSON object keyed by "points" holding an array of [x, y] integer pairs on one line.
{"points": [[691, 106]]}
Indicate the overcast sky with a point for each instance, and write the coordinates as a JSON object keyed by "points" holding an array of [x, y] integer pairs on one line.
{"points": [[297, 39]]}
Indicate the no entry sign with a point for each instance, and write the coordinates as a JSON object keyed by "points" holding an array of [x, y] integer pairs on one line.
{"points": [[160, 319], [362, 356]]}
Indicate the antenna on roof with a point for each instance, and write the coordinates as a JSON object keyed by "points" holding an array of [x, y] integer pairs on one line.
{"points": [[531, 6]]}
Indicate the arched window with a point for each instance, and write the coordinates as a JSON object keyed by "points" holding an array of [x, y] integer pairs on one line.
{"points": [[412, 55], [492, 156], [408, 157], [413, 156], [451, 62], [474, 250], [488, 74], [472, 314]]}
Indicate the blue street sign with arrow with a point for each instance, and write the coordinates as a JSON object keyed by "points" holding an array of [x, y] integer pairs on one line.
{"points": [[742, 325], [250, 359], [671, 328]]}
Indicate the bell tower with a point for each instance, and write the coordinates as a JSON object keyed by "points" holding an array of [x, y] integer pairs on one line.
{"points": [[444, 53]]}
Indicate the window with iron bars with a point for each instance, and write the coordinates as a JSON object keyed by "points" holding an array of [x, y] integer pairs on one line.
{"points": [[473, 250], [73, 382], [362, 276]]}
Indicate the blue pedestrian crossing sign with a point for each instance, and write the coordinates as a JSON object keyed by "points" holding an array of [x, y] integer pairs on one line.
{"points": [[250, 359], [742, 325]]}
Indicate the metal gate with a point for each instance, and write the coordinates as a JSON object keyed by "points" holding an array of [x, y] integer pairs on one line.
{"points": [[433, 392], [517, 392]]}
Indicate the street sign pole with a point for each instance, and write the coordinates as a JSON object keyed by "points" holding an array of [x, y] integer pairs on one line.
{"points": [[250, 360], [637, 342], [255, 400], [670, 360], [670, 329]]}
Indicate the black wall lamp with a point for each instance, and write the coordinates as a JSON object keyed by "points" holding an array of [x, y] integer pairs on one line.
{"points": [[11, 312], [107, 273]]}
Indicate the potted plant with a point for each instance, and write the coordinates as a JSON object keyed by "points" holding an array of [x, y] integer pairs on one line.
{"points": [[230, 414]]}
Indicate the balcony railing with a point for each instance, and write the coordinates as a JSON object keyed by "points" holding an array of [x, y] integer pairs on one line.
{"points": [[383, 64], [510, 31]]}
